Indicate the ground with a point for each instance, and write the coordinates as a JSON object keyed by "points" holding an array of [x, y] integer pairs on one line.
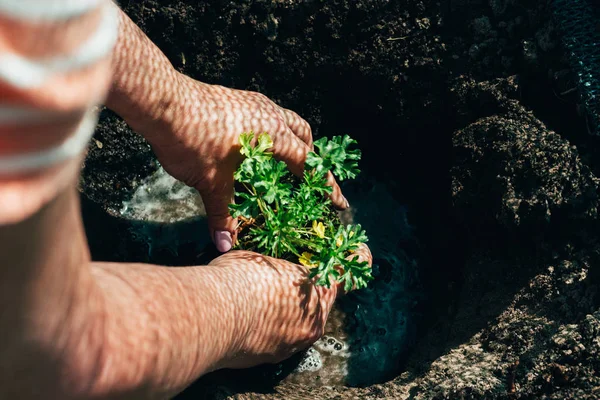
{"points": [[464, 110]]}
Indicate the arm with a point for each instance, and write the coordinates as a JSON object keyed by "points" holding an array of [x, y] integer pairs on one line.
{"points": [[74, 329], [194, 127], [146, 88], [70, 328]]}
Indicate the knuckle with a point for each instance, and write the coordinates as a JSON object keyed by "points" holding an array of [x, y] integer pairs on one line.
{"points": [[279, 126], [307, 129], [260, 98]]}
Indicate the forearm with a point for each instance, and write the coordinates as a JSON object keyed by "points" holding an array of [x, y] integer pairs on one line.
{"points": [[68, 328], [44, 294], [145, 84], [71, 328], [165, 327]]}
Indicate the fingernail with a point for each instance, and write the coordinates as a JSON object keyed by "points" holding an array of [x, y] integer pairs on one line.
{"points": [[346, 202], [223, 241]]}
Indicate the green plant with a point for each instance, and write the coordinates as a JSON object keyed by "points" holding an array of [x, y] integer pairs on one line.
{"points": [[291, 218]]}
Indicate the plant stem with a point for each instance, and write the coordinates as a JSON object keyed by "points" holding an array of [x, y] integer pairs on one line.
{"points": [[305, 242]]}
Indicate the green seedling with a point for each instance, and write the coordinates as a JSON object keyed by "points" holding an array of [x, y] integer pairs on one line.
{"points": [[293, 218]]}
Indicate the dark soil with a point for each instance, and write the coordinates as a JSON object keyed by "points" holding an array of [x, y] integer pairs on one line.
{"points": [[462, 108]]}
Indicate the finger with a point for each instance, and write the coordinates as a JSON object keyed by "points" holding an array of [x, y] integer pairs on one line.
{"points": [[222, 227], [289, 148], [299, 126], [362, 254], [336, 196]]}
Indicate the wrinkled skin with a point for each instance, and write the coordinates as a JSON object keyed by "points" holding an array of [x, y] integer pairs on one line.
{"points": [[293, 310], [193, 127], [202, 149]]}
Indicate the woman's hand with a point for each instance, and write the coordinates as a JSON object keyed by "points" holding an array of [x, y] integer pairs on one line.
{"points": [[194, 127], [288, 311], [201, 146]]}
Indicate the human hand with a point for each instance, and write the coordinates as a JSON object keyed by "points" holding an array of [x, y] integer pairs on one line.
{"points": [[194, 127], [288, 312], [200, 145]]}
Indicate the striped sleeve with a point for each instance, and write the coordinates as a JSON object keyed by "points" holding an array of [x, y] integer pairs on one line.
{"points": [[55, 65]]}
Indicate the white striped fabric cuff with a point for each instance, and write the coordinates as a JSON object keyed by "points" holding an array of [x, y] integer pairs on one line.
{"points": [[15, 115], [46, 10], [28, 74], [72, 147]]}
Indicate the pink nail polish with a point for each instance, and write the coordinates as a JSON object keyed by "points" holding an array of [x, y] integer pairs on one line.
{"points": [[223, 241]]}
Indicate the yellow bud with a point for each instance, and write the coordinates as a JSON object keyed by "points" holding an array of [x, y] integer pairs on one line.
{"points": [[306, 260], [319, 229]]}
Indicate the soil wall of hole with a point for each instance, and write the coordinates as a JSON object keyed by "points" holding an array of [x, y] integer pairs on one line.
{"points": [[463, 109]]}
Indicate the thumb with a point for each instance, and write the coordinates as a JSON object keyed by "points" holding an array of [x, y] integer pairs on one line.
{"points": [[221, 225]]}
